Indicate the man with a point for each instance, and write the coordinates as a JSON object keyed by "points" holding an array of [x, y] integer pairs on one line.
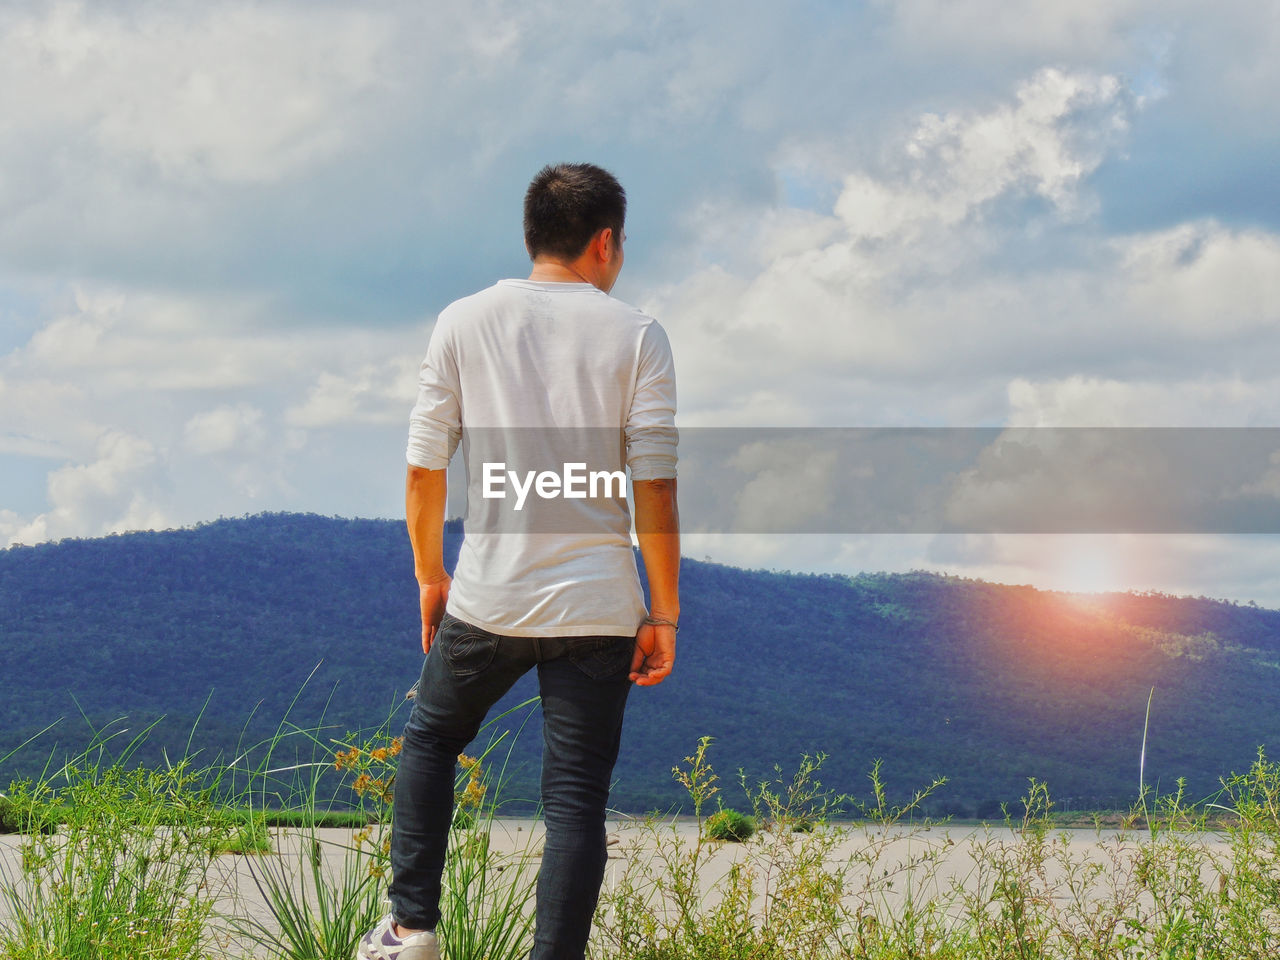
{"points": [[548, 372]]}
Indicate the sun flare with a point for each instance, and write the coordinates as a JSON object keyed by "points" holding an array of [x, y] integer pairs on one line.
{"points": [[1085, 565]]}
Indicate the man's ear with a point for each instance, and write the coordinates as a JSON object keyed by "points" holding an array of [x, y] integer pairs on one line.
{"points": [[604, 244]]}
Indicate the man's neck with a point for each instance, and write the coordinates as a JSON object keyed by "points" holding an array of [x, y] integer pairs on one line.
{"points": [[548, 270]]}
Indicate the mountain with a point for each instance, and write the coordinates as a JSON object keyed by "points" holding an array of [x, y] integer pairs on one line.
{"points": [[244, 623]]}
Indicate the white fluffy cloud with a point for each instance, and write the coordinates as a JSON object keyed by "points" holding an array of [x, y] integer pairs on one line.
{"points": [[1202, 281], [1087, 401], [108, 494], [1044, 142], [139, 402], [370, 393], [240, 92], [789, 485], [907, 281], [223, 429]]}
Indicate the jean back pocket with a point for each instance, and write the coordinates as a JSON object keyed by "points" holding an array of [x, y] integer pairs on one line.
{"points": [[602, 658]]}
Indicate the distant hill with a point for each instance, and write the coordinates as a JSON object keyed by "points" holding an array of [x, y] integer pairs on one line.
{"points": [[315, 618]]}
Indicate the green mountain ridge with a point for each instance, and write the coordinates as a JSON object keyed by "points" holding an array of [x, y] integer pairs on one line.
{"points": [[245, 622]]}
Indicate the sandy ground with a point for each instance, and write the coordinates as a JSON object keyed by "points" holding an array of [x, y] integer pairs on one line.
{"points": [[886, 867]]}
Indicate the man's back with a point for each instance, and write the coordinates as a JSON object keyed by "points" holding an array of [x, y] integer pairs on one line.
{"points": [[534, 354], [540, 375]]}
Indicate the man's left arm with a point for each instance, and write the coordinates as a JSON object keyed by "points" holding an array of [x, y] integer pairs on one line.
{"points": [[651, 441]]}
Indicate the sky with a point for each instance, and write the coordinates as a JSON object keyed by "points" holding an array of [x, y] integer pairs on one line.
{"points": [[226, 230]]}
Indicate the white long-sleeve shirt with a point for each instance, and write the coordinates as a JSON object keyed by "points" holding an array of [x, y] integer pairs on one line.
{"points": [[533, 376]]}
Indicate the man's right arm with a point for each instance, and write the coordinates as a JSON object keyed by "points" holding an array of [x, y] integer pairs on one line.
{"points": [[658, 530], [435, 428], [425, 495]]}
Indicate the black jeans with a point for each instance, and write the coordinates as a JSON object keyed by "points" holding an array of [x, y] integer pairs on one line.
{"points": [[584, 685]]}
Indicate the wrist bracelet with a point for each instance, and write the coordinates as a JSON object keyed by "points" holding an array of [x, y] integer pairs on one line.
{"points": [[659, 622]]}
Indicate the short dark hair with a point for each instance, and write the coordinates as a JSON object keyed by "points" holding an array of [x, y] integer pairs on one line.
{"points": [[569, 203]]}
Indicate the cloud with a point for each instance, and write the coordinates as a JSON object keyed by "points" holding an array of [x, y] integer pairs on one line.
{"points": [[971, 264], [126, 340], [1043, 143], [223, 429], [371, 393], [1090, 480], [108, 494], [1267, 485], [240, 93], [902, 278], [186, 402], [1203, 281], [1091, 401], [314, 151], [1046, 29], [791, 484], [28, 446], [251, 456], [10, 524], [120, 342]]}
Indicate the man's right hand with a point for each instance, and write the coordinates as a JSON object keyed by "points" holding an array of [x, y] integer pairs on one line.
{"points": [[433, 597], [658, 530], [425, 493], [654, 655]]}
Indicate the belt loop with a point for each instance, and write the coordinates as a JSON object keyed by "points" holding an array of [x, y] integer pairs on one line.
{"points": [[537, 650]]}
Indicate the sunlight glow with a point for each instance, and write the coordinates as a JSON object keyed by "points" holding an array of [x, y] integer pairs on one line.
{"points": [[1084, 565]]}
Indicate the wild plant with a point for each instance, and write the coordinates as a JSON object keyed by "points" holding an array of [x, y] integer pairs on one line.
{"points": [[1248, 889], [780, 895], [321, 901], [1008, 898], [322, 898], [115, 861], [118, 861], [891, 892]]}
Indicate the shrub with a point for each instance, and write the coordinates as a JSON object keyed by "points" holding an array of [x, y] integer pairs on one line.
{"points": [[126, 875], [248, 834], [19, 818], [728, 824]]}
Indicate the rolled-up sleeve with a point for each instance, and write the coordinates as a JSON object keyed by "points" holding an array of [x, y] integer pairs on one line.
{"points": [[651, 434], [435, 424]]}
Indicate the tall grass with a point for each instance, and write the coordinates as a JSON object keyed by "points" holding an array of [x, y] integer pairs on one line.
{"points": [[322, 899], [114, 861], [886, 885], [118, 860]]}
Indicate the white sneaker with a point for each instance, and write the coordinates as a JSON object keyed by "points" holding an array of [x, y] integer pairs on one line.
{"points": [[381, 943]]}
